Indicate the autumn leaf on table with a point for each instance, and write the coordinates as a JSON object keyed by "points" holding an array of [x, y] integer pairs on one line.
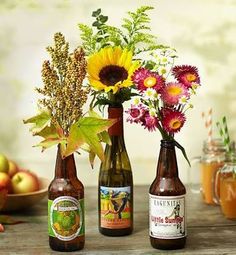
{"points": [[7, 220], [87, 130]]}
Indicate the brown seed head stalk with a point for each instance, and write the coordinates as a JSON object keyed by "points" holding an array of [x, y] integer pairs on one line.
{"points": [[63, 92]]}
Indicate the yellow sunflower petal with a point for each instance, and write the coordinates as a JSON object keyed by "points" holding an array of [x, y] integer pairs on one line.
{"points": [[97, 84], [128, 61], [115, 89], [110, 56], [126, 83], [135, 65], [122, 58], [109, 88], [117, 52]]}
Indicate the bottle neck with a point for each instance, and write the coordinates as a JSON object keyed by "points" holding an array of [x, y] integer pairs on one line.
{"points": [[167, 163], [65, 168], [117, 129]]}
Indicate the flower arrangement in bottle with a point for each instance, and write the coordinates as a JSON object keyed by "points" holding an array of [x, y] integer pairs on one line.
{"points": [[61, 122], [113, 58], [163, 93]]}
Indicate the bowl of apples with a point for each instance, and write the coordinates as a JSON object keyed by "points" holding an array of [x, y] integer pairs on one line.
{"points": [[22, 188]]}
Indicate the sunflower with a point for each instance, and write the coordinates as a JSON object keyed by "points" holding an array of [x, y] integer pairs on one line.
{"points": [[111, 68]]}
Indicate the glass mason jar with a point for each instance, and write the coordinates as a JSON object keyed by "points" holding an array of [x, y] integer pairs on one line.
{"points": [[226, 194], [212, 159]]}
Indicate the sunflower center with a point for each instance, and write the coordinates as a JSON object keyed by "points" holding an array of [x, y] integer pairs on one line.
{"points": [[175, 124], [174, 91], [191, 77], [150, 82], [110, 75]]}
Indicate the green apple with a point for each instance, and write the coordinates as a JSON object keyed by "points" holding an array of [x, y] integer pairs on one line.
{"points": [[4, 164], [13, 168], [24, 182]]}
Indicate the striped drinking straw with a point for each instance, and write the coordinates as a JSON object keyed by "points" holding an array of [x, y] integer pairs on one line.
{"points": [[208, 124], [224, 133]]}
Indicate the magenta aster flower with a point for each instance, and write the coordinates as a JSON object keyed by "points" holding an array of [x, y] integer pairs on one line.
{"points": [[188, 75], [172, 93], [136, 113], [172, 120], [145, 79], [150, 122]]}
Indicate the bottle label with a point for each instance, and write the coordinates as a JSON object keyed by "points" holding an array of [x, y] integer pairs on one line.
{"points": [[115, 204], [66, 218], [167, 218]]}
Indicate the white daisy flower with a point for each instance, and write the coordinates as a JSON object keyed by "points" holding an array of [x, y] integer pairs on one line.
{"points": [[183, 100], [136, 100], [150, 94], [164, 60], [162, 70]]}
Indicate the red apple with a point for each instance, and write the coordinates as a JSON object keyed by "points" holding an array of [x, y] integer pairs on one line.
{"points": [[1, 228], [4, 165], [24, 182], [5, 181], [13, 168]]}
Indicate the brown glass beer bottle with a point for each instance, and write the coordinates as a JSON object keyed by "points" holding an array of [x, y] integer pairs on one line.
{"points": [[167, 217], [66, 207], [115, 199]]}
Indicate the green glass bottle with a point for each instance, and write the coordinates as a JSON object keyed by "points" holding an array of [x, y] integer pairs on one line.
{"points": [[115, 189]]}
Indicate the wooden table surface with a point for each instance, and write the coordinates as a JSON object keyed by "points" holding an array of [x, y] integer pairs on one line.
{"points": [[208, 231]]}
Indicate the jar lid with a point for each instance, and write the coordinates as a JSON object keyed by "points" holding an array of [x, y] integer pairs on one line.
{"points": [[216, 145]]}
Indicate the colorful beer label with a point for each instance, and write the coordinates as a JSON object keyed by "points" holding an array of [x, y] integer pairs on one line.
{"points": [[167, 217], [66, 218], [115, 206]]}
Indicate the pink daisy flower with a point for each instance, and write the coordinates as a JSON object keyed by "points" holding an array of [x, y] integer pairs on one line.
{"points": [[188, 75], [145, 79], [172, 93], [172, 120], [150, 122], [136, 113]]}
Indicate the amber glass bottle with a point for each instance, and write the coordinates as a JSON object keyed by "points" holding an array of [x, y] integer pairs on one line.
{"points": [[66, 207], [167, 218], [115, 189]]}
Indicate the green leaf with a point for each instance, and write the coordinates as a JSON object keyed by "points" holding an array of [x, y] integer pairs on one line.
{"points": [[96, 13], [48, 132], [92, 157], [104, 137], [75, 140], [94, 114], [96, 24], [49, 142], [39, 121], [86, 131], [183, 151], [96, 124], [103, 19], [90, 128]]}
